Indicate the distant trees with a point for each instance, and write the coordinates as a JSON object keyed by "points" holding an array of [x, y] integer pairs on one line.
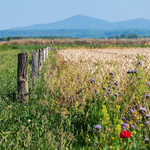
{"points": [[123, 36], [114, 37], [132, 36]]}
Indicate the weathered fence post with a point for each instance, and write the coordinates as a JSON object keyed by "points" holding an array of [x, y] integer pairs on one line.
{"points": [[43, 55], [35, 65], [22, 77], [46, 52], [40, 59]]}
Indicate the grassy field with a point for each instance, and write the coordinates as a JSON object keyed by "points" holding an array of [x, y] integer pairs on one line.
{"points": [[83, 100]]}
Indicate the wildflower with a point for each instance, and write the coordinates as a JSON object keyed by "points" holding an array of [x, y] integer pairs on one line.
{"points": [[109, 89], [132, 111], [104, 106], [97, 127], [125, 134], [117, 106], [118, 127], [113, 138], [104, 87], [123, 128], [124, 124], [147, 123], [93, 80], [131, 71], [116, 94], [142, 110], [148, 83], [136, 106], [107, 118], [141, 125], [123, 118], [146, 140], [131, 83], [104, 110], [128, 72], [29, 120], [147, 96], [111, 73], [132, 126], [107, 92], [115, 83], [133, 132], [147, 116], [139, 63], [120, 121]]}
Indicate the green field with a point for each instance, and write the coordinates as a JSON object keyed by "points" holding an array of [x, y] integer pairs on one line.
{"points": [[70, 107]]}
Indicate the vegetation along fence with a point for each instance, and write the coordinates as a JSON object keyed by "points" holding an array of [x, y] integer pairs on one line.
{"points": [[38, 57]]}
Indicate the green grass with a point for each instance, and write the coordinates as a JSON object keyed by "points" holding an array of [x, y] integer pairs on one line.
{"points": [[64, 106], [100, 46]]}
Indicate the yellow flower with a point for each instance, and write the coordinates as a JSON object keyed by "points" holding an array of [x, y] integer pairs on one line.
{"points": [[107, 118], [131, 122], [104, 111], [133, 132], [117, 106], [106, 115], [118, 127], [113, 138], [120, 121], [136, 112], [104, 106], [141, 125], [104, 123]]}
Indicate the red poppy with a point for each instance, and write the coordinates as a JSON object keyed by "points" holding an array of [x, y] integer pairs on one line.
{"points": [[125, 134]]}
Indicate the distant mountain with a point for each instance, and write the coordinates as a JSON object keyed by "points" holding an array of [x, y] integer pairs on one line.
{"points": [[82, 27], [85, 22]]}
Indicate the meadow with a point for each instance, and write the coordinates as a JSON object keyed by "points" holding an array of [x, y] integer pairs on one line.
{"points": [[86, 98]]}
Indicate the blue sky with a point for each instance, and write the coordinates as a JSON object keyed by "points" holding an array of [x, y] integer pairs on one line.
{"points": [[17, 13]]}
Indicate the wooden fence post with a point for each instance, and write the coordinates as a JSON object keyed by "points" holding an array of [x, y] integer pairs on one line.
{"points": [[22, 77], [35, 65], [46, 52], [43, 55], [40, 59]]}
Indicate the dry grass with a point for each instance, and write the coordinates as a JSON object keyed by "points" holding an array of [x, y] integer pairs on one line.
{"points": [[109, 60], [67, 41]]}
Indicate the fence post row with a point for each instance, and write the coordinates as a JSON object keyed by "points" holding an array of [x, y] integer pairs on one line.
{"points": [[35, 65], [22, 77], [38, 57]]}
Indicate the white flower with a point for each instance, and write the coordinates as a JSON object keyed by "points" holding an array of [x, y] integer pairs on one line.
{"points": [[29, 120]]}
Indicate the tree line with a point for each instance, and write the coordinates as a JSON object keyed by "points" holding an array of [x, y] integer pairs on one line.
{"points": [[125, 36], [122, 36]]}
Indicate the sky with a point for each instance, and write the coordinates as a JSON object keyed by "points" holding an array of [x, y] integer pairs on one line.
{"points": [[19, 13]]}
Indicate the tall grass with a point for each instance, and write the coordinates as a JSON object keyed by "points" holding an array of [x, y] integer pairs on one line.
{"points": [[70, 99]]}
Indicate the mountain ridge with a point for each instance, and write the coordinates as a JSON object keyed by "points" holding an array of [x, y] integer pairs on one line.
{"points": [[90, 23]]}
